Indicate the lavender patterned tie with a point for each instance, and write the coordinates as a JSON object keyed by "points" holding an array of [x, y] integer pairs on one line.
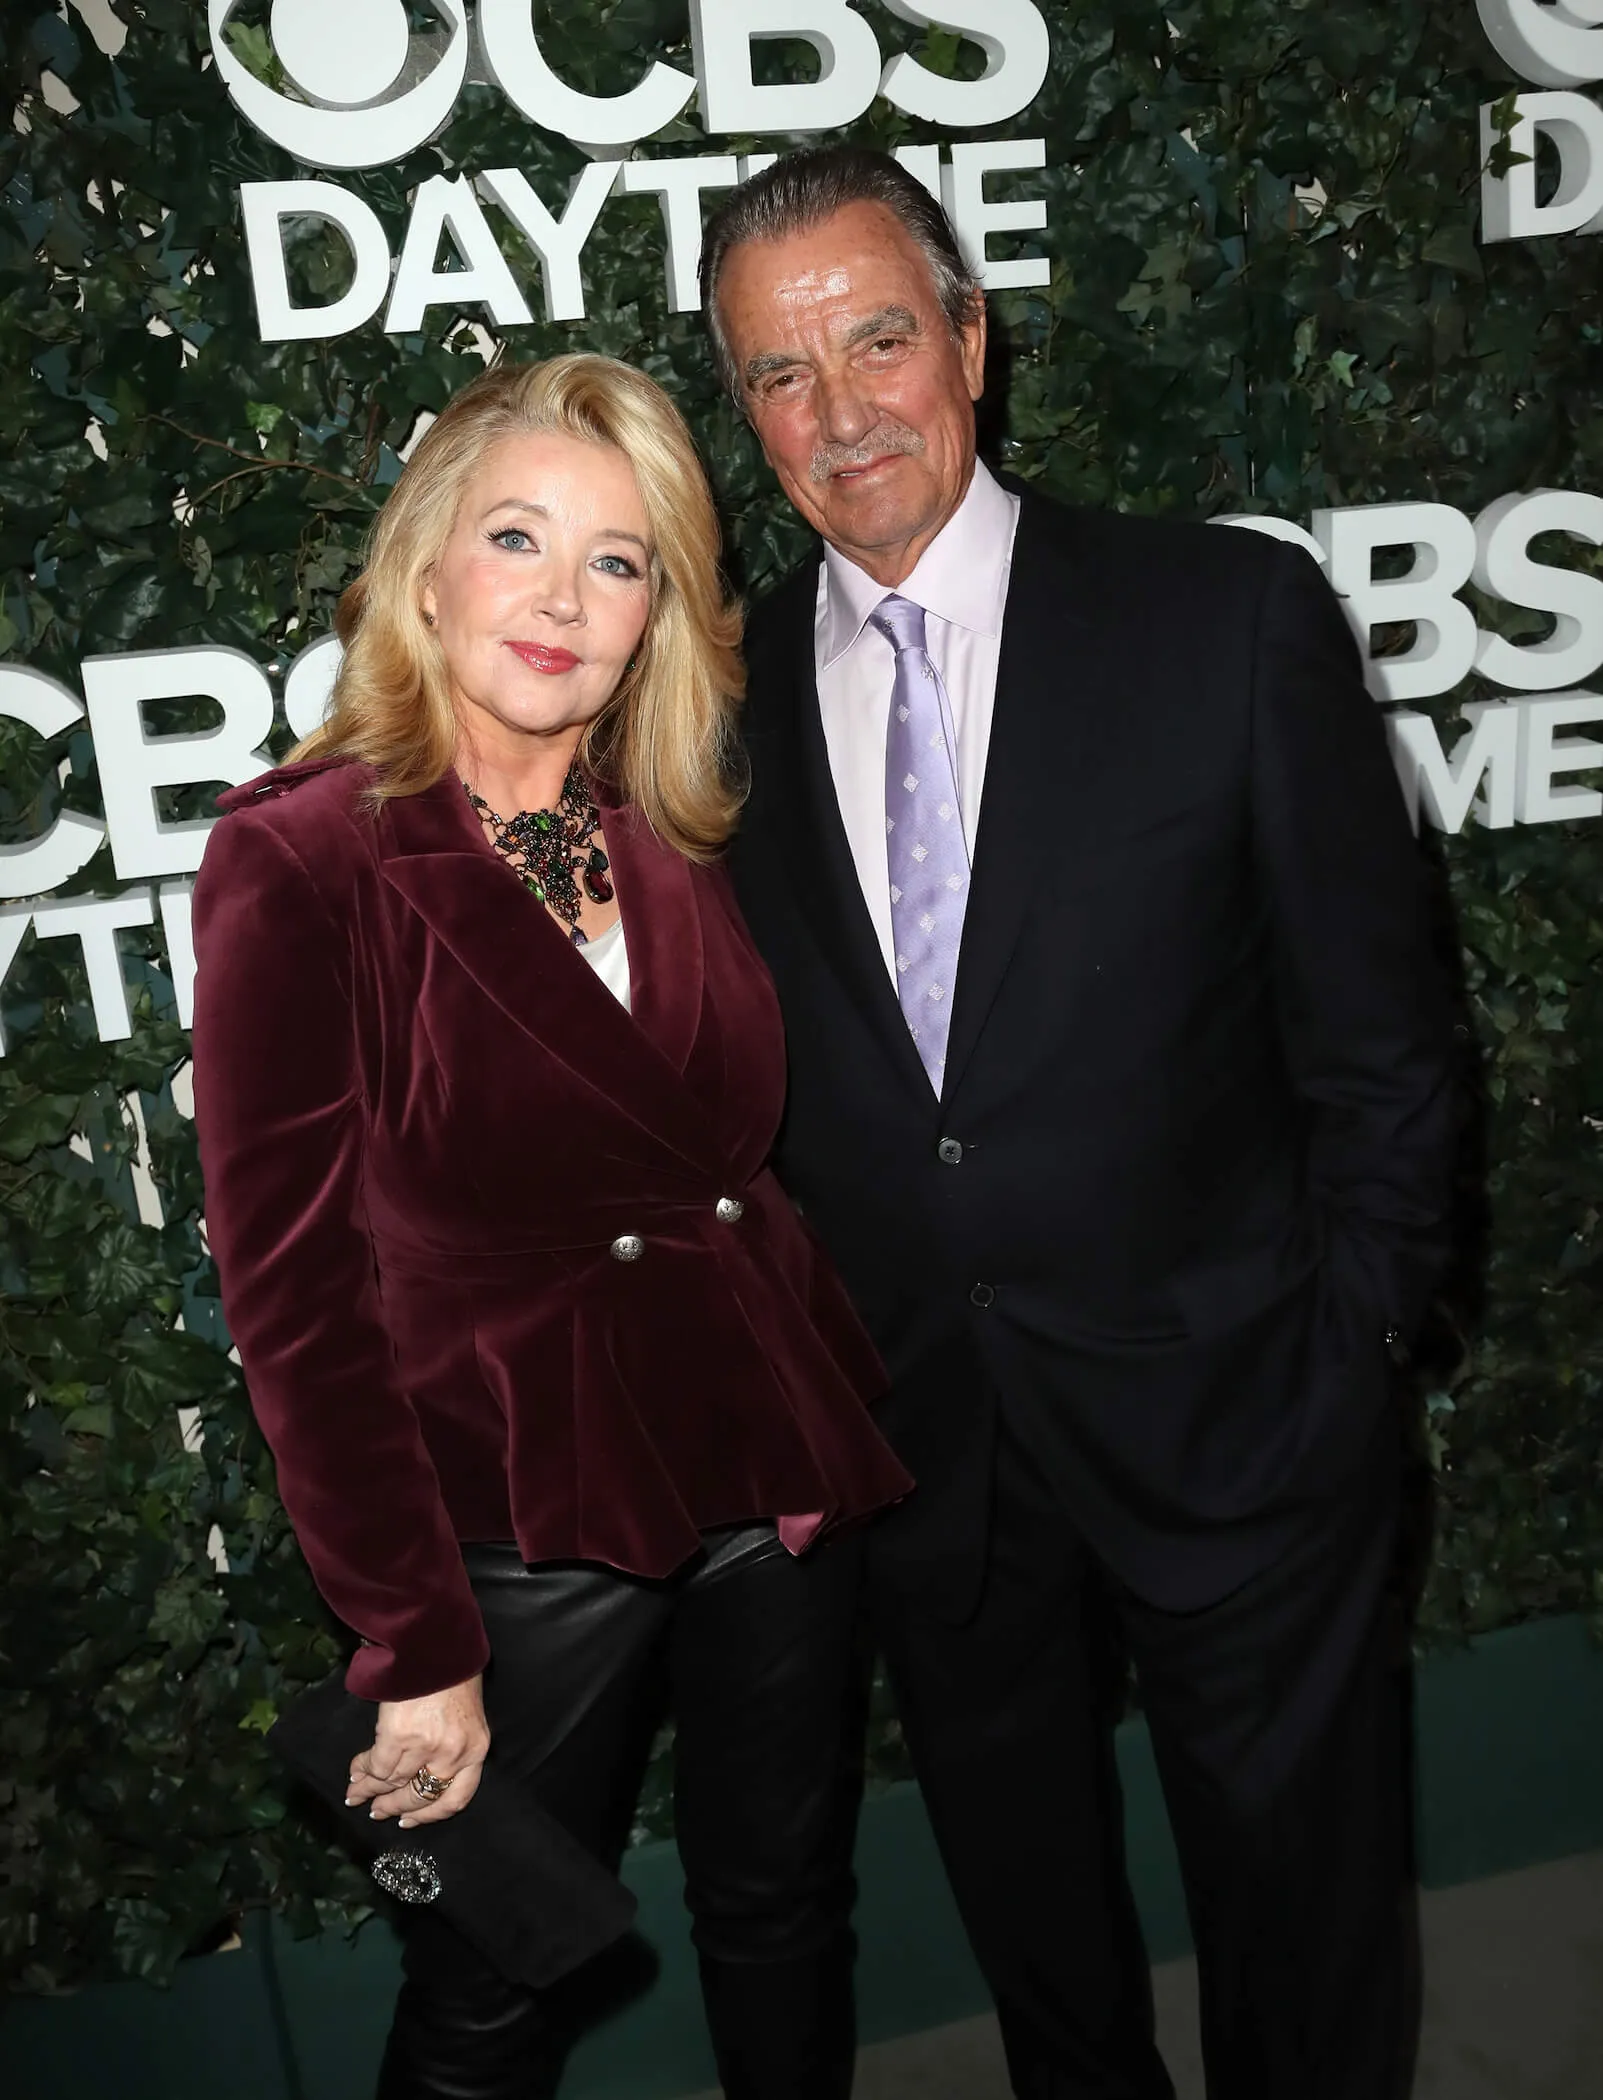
{"points": [[925, 853]]}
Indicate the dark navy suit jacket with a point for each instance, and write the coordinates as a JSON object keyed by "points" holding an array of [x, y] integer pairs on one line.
{"points": [[1199, 1109]]}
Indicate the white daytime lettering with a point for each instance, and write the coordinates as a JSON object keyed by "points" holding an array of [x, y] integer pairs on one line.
{"points": [[447, 204], [270, 210], [1573, 127]]}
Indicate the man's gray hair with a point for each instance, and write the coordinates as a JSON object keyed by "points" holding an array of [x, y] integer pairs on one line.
{"points": [[803, 189]]}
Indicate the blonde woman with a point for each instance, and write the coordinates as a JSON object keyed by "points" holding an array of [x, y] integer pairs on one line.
{"points": [[568, 1409]]}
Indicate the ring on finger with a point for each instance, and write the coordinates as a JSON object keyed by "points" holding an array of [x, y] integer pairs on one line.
{"points": [[426, 1785]]}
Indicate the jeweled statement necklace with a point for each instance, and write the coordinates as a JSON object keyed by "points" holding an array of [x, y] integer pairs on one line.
{"points": [[553, 851]]}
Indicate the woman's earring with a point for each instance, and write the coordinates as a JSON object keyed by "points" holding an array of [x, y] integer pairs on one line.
{"points": [[428, 619]]}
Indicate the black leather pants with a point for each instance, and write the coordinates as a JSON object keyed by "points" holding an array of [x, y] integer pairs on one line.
{"points": [[752, 1652]]}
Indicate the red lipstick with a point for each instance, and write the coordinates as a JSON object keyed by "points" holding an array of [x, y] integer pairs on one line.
{"points": [[539, 658]]}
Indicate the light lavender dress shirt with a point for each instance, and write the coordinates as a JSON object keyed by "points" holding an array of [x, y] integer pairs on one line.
{"points": [[961, 583]]}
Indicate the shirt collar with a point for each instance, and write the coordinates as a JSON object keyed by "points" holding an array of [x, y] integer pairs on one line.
{"points": [[961, 576]]}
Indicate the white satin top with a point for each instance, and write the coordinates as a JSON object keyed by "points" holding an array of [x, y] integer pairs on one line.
{"points": [[609, 958]]}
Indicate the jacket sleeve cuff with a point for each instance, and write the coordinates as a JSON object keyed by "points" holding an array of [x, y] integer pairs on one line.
{"points": [[419, 1662]]}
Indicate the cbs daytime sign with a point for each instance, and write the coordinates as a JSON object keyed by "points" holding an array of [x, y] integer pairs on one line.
{"points": [[1509, 765], [372, 92], [1560, 48]]}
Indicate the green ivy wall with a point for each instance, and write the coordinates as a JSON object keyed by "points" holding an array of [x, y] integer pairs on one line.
{"points": [[1216, 336]]}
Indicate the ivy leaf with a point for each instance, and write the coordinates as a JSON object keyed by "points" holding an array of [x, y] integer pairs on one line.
{"points": [[34, 1121], [1452, 245], [941, 50], [186, 1615], [1504, 117]]}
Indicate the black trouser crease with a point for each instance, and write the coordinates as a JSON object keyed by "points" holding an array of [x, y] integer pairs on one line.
{"points": [[753, 1653], [1276, 1718]]}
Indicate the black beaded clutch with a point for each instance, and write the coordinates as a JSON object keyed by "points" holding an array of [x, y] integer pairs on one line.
{"points": [[504, 1872]]}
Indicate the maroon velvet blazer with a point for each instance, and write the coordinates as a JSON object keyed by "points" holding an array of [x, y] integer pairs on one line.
{"points": [[425, 1124]]}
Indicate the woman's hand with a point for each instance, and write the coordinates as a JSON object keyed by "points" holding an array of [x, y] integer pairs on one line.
{"points": [[445, 1731]]}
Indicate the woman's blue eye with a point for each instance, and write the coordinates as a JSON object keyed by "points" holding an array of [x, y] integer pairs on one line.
{"points": [[625, 567], [506, 536]]}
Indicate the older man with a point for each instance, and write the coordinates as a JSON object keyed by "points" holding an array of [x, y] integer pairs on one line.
{"points": [[1120, 1090]]}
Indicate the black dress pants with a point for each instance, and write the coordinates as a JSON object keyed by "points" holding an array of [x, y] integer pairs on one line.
{"points": [[1277, 1720], [753, 1653]]}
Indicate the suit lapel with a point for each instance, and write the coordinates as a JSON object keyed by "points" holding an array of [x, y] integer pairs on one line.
{"points": [[432, 854], [823, 875], [1052, 677]]}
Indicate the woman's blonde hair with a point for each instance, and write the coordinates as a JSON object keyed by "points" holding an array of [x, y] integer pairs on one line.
{"points": [[665, 739]]}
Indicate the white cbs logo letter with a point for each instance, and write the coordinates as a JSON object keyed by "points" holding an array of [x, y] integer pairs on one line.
{"points": [[372, 92], [348, 62], [1011, 33], [1560, 46]]}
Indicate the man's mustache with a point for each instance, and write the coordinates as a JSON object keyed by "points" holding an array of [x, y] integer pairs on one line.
{"points": [[887, 438]]}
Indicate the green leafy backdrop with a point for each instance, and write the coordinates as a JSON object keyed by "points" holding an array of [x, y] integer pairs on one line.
{"points": [[1266, 294]]}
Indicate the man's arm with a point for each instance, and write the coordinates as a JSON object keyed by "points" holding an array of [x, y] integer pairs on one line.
{"points": [[1365, 1017]]}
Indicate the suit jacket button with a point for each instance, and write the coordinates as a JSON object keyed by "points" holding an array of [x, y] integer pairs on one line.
{"points": [[982, 1294], [628, 1246], [730, 1210], [949, 1152]]}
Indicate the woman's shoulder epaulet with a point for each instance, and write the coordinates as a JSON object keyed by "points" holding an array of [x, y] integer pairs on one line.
{"points": [[285, 780]]}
